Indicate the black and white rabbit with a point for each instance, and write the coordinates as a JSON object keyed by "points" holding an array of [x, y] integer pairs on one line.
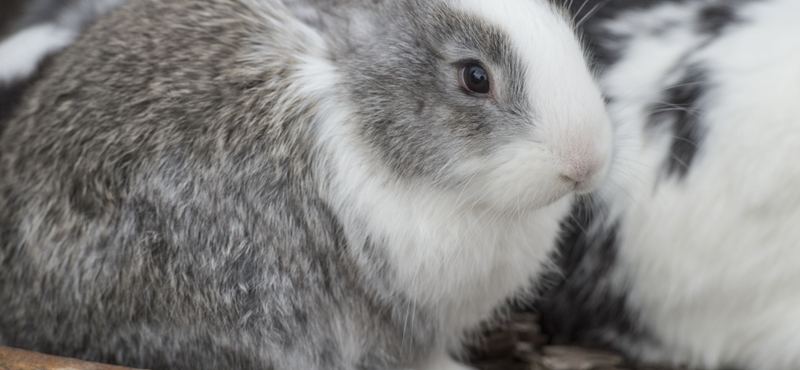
{"points": [[214, 184], [690, 253]]}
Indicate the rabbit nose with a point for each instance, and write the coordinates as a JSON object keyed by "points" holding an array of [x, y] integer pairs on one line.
{"points": [[579, 172], [584, 172]]}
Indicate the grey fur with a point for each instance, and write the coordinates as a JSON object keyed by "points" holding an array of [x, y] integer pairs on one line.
{"points": [[151, 233], [159, 204]]}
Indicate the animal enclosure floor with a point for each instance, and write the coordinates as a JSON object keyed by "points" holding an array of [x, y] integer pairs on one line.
{"points": [[518, 345], [521, 345]]}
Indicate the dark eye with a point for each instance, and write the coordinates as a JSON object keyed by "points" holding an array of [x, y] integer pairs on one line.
{"points": [[475, 79]]}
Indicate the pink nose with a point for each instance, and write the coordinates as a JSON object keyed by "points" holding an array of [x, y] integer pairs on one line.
{"points": [[580, 172]]}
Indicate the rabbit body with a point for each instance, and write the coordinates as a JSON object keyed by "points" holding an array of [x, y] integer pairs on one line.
{"points": [[690, 256], [250, 184]]}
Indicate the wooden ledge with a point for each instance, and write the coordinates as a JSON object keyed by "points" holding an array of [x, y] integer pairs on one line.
{"points": [[17, 359]]}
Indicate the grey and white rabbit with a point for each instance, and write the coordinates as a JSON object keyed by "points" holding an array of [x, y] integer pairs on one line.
{"points": [[690, 253], [214, 184]]}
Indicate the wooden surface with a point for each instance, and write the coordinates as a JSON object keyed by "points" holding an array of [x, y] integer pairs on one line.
{"points": [[17, 359], [520, 344]]}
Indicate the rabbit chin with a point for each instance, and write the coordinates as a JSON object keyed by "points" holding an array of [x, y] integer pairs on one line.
{"points": [[513, 194], [522, 180]]}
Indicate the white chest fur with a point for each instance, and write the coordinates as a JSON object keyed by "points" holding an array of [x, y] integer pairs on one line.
{"points": [[447, 254]]}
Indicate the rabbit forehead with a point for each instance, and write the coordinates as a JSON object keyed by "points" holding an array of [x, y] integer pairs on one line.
{"points": [[553, 68], [532, 27]]}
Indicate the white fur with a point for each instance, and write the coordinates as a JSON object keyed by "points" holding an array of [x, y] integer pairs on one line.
{"points": [[21, 53], [442, 361], [462, 253], [713, 261], [448, 254], [570, 125]]}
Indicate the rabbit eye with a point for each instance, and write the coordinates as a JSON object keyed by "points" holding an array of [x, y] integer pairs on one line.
{"points": [[475, 79]]}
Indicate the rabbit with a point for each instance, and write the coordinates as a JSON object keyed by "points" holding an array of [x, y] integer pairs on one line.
{"points": [[688, 253], [255, 184]]}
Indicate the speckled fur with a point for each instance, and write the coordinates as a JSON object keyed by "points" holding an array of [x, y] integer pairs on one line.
{"points": [[215, 184]]}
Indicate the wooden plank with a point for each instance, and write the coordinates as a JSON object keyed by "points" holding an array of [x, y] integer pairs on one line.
{"points": [[17, 359]]}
